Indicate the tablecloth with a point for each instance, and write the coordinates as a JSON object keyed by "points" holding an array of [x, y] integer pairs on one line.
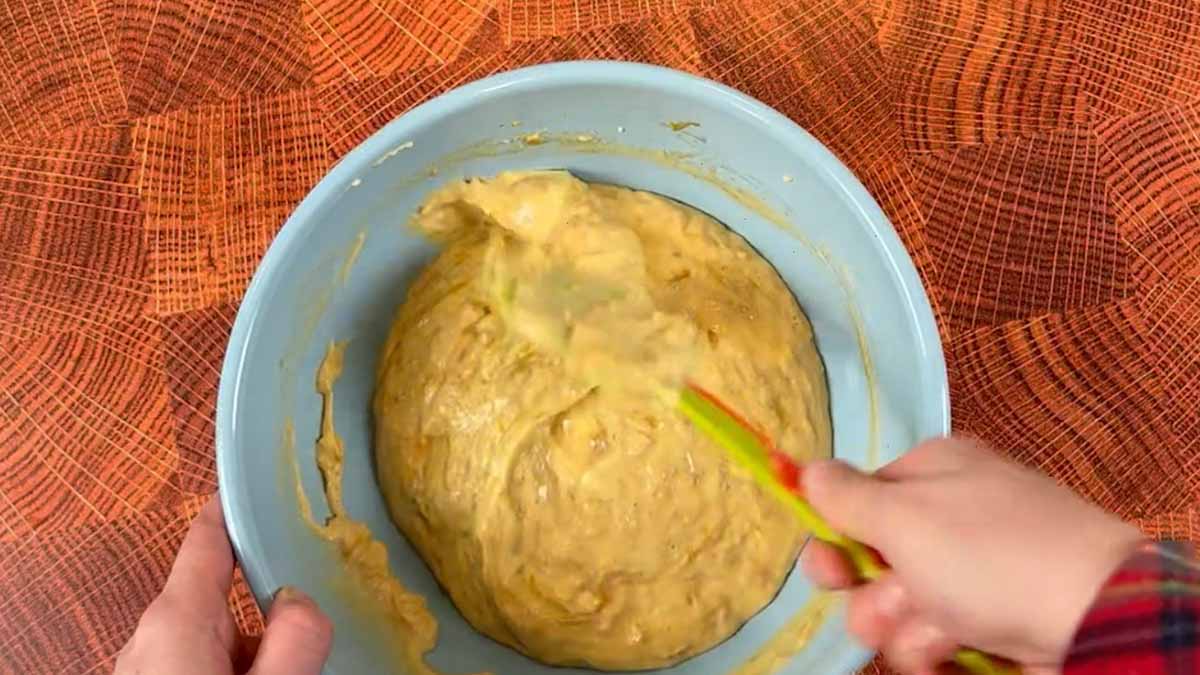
{"points": [[1038, 157]]}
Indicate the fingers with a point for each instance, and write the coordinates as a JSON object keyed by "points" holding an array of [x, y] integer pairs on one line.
{"points": [[194, 599], [188, 628], [918, 646], [203, 570], [871, 507], [850, 500], [876, 610], [826, 566], [881, 615], [297, 639]]}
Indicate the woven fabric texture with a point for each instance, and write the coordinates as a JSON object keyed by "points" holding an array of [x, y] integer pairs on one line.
{"points": [[1039, 158]]}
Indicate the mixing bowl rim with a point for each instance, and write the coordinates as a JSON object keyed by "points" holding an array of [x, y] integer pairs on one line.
{"points": [[242, 531]]}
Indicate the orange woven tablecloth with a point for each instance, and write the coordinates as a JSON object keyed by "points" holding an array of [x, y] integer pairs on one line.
{"points": [[1039, 158]]}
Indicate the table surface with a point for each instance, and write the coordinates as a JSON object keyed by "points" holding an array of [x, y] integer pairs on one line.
{"points": [[1039, 158]]}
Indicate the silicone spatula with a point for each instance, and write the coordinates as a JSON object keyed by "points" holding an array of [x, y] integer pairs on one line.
{"points": [[780, 476]]}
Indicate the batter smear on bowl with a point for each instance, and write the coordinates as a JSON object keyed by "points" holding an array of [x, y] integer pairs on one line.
{"points": [[524, 442], [364, 555]]}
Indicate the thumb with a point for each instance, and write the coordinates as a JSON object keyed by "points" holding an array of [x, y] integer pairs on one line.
{"points": [[850, 500], [297, 639]]}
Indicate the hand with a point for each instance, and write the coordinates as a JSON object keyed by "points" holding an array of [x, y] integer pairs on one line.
{"points": [[188, 629], [984, 553]]}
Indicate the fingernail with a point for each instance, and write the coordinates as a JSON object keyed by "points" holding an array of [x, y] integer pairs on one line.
{"points": [[291, 594]]}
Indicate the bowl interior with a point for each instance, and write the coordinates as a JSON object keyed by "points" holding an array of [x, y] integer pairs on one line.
{"points": [[744, 164]]}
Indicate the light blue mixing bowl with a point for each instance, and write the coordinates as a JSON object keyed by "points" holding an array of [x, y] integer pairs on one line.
{"points": [[743, 163]]}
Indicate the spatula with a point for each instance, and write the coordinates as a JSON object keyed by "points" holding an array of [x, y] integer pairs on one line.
{"points": [[780, 476]]}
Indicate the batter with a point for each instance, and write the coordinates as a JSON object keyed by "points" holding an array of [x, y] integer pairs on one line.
{"points": [[525, 439], [364, 555]]}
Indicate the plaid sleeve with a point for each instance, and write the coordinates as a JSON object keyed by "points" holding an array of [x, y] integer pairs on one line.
{"points": [[1146, 619]]}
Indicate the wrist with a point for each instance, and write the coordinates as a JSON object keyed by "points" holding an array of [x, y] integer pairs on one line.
{"points": [[1110, 550]]}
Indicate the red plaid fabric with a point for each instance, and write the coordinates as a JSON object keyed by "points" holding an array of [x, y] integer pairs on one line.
{"points": [[1146, 619]]}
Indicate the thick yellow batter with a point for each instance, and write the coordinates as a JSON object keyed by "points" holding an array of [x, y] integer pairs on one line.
{"points": [[525, 439]]}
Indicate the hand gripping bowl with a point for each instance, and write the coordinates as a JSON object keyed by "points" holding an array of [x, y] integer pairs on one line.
{"points": [[339, 267]]}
